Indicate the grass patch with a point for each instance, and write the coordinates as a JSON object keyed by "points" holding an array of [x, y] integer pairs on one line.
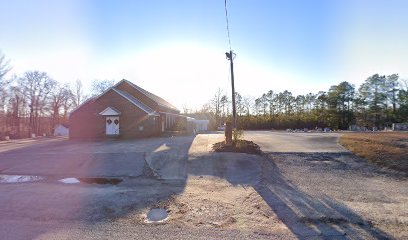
{"points": [[386, 149], [241, 146]]}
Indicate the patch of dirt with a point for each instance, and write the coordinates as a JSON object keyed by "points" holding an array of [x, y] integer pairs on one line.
{"points": [[241, 146], [211, 202]]}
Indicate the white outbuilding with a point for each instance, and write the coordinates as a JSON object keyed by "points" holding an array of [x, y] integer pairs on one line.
{"points": [[61, 130], [201, 125], [196, 125]]}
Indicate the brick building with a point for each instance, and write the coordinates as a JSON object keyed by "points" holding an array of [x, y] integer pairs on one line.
{"points": [[124, 111]]}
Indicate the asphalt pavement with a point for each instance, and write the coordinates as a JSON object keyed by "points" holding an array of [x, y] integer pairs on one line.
{"points": [[103, 158], [279, 141]]}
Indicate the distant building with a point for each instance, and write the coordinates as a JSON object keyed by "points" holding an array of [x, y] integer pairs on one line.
{"points": [[61, 130], [201, 125], [125, 111], [196, 125]]}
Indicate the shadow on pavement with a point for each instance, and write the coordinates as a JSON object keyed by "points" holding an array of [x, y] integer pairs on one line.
{"points": [[308, 216], [304, 215]]}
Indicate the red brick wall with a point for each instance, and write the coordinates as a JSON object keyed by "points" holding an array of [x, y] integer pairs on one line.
{"points": [[83, 123], [87, 123]]}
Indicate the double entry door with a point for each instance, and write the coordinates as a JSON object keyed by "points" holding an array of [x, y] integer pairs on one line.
{"points": [[112, 125]]}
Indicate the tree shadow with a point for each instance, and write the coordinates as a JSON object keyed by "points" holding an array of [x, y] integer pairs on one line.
{"points": [[306, 216]]}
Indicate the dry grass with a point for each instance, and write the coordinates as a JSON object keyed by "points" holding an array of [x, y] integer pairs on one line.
{"points": [[387, 149]]}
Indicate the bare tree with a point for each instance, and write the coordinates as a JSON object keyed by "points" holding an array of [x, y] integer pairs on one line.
{"points": [[36, 86], [4, 67], [68, 104], [61, 97], [216, 102], [186, 110], [78, 94], [100, 86], [17, 110]]}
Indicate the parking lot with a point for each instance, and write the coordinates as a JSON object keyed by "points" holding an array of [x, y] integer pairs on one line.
{"points": [[304, 186], [66, 158]]}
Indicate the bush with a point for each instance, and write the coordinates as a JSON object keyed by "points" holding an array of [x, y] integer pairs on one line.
{"points": [[237, 135]]}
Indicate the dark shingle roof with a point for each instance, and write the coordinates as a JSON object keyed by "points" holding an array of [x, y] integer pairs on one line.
{"points": [[157, 99], [160, 101], [135, 101]]}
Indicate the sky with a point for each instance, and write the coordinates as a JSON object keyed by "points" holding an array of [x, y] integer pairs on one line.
{"points": [[176, 49]]}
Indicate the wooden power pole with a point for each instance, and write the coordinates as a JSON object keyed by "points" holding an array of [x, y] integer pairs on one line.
{"points": [[230, 56]]}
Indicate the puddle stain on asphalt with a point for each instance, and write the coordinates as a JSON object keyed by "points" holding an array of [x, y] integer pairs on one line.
{"points": [[69, 180], [29, 178], [110, 181]]}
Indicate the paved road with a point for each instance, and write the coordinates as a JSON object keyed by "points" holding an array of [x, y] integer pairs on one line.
{"points": [[67, 158], [295, 142]]}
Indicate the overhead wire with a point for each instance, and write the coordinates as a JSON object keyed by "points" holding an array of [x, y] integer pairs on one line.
{"points": [[226, 20], [228, 87]]}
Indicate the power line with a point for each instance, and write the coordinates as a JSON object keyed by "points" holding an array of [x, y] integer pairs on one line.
{"points": [[226, 20], [230, 56]]}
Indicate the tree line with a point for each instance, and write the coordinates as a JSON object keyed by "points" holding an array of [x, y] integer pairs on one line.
{"points": [[379, 101], [34, 103]]}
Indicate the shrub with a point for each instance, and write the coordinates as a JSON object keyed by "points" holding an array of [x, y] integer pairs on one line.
{"points": [[237, 135]]}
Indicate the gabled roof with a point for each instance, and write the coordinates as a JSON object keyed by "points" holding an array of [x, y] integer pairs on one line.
{"points": [[136, 102], [160, 101], [65, 125]]}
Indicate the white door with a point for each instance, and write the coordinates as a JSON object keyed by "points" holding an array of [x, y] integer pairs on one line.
{"points": [[112, 125]]}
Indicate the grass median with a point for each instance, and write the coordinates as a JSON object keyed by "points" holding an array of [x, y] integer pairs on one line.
{"points": [[386, 149]]}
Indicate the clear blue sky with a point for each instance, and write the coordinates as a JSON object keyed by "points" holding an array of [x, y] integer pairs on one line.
{"points": [[176, 48]]}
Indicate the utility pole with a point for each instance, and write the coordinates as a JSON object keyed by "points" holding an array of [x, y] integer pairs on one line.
{"points": [[230, 56]]}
